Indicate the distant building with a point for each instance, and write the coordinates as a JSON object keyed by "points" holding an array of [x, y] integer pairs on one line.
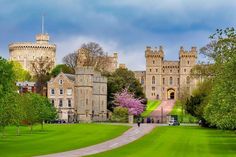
{"points": [[26, 52], [25, 87], [166, 79], [80, 97], [110, 62]]}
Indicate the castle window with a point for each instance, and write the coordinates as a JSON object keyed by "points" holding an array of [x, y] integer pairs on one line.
{"points": [[178, 71], [60, 82], [150, 70], [69, 91], [171, 80], [60, 103], [184, 70], [156, 70], [61, 91], [69, 102], [188, 62], [52, 91], [163, 81], [178, 80], [153, 79], [153, 88], [188, 80], [153, 62]]}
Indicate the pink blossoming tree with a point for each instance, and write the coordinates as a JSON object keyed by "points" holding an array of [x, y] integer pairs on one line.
{"points": [[127, 100]]}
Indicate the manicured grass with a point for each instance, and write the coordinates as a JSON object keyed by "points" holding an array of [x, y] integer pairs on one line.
{"points": [[183, 117], [179, 141], [151, 106], [56, 138]]}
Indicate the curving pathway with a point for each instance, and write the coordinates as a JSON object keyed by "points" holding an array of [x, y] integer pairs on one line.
{"points": [[131, 135]]}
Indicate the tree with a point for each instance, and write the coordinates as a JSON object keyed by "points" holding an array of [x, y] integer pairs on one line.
{"points": [[120, 114], [46, 111], [20, 73], [92, 54], [119, 80], [7, 77], [38, 109], [7, 110], [71, 60], [41, 70], [18, 109], [127, 100], [221, 108], [61, 68]]}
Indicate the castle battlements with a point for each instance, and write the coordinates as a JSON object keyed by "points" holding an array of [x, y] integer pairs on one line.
{"points": [[149, 52], [191, 53], [85, 70]]}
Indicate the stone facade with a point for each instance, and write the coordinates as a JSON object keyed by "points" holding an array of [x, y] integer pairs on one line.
{"points": [[165, 79], [26, 52], [81, 97], [110, 62]]}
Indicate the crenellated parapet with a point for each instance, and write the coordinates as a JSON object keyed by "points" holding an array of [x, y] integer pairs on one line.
{"points": [[155, 53], [31, 45], [26, 53], [186, 54]]}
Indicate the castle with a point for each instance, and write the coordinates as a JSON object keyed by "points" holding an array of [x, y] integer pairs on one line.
{"points": [[26, 52], [81, 97], [167, 79]]}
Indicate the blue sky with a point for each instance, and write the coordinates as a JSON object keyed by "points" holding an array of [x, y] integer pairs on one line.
{"points": [[123, 26]]}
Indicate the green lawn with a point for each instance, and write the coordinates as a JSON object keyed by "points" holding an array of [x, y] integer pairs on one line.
{"points": [[179, 141], [56, 138], [151, 106], [183, 116]]}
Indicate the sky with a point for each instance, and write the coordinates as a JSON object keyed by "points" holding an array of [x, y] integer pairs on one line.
{"points": [[123, 26]]}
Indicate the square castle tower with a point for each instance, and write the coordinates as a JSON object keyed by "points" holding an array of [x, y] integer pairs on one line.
{"points": [[167, 79]]}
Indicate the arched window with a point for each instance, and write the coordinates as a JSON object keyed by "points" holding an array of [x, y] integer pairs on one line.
{"points": [[171, 80], [163, 81], [153, 79], [188, 80], [153, 62]]}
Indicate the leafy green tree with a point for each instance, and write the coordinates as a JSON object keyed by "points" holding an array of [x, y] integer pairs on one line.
{"points": [[120, 114], [119, 80], [61, 68], [46, 111], [38, 109], [18, 109], [20, 73], [30, 107], [7, 77], [7, 110], [221, 108]]}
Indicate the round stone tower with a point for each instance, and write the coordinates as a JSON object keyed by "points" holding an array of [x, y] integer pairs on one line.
{"points": [[26, 52]]}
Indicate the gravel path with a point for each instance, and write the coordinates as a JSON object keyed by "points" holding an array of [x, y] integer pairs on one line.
{"points": [[131, 135]]}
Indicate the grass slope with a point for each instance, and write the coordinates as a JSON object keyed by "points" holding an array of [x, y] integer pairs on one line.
{"points": [[183, 116], [180, 141], [151, 106], [56, 138]]}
